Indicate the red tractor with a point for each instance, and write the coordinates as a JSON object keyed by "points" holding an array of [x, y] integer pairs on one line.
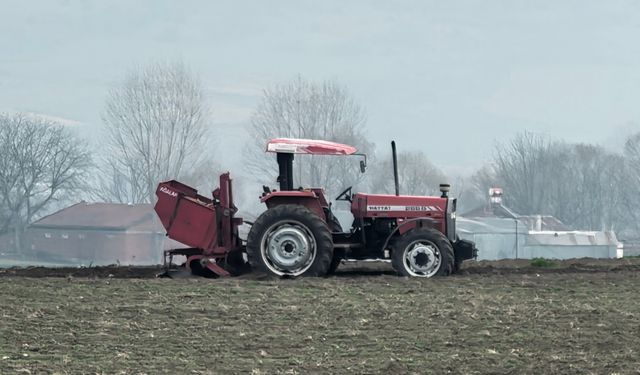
{"points": [[298, 235]]}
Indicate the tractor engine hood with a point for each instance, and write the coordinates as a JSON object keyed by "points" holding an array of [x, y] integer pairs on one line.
{"points": [[402, 206]]}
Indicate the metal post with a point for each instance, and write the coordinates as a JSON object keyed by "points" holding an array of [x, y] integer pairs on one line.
{"points": [[395, 166], [285, 167]]}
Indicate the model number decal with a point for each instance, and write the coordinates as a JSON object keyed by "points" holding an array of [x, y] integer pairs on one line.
{"points": [[403, 208], [168, 191]]}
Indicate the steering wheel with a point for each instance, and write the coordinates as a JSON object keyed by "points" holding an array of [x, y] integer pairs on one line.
{"points": [[345, 195]]}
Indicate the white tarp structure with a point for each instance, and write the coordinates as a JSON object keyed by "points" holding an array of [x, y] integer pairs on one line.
{"points": [[509, 238]]}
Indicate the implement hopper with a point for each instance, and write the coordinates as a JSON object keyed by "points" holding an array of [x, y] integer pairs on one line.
{"points": [[207, 225]]}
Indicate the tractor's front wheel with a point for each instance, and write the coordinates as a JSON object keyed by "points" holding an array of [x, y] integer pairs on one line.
{"points": [[422, 252], [290, 240]]}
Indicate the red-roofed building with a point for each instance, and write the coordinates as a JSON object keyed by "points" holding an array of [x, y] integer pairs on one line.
{"points": [[94, 233]]}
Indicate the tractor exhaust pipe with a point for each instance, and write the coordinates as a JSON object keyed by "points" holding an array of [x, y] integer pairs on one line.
{"points": [[395, 167]]}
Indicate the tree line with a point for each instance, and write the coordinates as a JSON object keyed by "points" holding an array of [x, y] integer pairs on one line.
{"points": [[585, 186], [157, 125]]}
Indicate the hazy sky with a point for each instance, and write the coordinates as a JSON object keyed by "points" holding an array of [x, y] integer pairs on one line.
{"points": [[446, 77]]}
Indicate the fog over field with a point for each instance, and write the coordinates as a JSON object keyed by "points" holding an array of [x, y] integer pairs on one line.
{"points": [[446, 78], [502, 237], [538, 98]]}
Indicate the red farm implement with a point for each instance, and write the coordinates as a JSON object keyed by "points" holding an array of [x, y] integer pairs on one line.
{"points": [[298, 235]]}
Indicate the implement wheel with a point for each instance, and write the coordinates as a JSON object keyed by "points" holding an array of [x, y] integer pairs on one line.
{"points": [[422, 252], [198, 269], [235, 263], [290, 240]]}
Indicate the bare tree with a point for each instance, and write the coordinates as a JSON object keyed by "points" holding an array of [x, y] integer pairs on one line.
{"points": [[578, 183], [524, 167], [156, 123], [466, 191], [484, 179], [416, 175], [631, 183], [304, 109], [587, 192], [41, 162]]}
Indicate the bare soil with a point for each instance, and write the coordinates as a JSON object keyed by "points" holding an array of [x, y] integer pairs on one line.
{"points": [[520, 266], [575, 317]]}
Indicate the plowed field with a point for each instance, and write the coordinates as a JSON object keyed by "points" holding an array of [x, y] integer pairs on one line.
{"points": [[503, 317]]}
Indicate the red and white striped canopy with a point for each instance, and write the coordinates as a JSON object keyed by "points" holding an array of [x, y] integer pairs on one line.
{"points": [[308, 146]]}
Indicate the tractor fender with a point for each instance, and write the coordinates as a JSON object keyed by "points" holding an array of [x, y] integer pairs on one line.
{"points": [[407, 225], [304, 198]]}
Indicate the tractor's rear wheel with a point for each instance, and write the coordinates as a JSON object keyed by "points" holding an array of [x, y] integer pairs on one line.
{"points": [[457, 266], [338, 254], [422, 252], [335, 261], [290, 240]]}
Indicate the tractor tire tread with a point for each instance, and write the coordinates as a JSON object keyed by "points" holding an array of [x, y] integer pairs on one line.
{"points": [[317, 226], [338, 255], [399, 243]]}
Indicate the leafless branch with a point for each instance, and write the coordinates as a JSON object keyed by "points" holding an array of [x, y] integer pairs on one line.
{"points": [[304, 109], [156, 125], [41, 162]]}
